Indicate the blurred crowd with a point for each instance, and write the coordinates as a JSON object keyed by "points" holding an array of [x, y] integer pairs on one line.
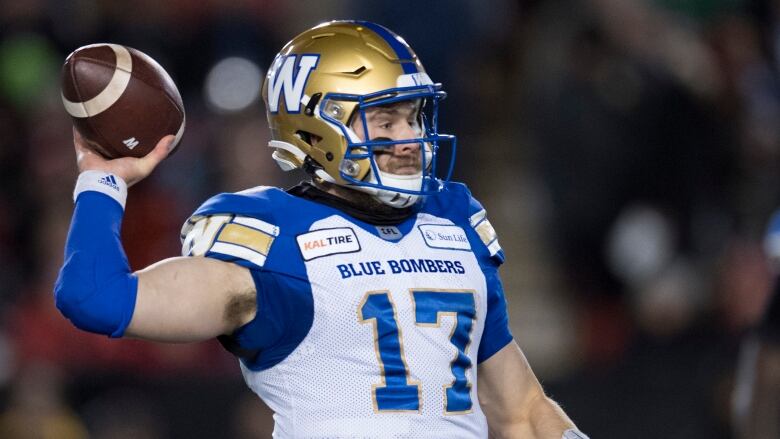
{"points": [[627, 151]]}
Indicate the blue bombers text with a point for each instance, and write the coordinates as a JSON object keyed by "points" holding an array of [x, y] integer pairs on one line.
{"points": [[397, 266]]}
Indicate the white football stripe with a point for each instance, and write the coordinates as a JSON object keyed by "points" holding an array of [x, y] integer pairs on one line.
{"points": [[180, 132], [110, 94]]}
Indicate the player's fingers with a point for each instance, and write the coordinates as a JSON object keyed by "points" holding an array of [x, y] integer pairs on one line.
{"points": [[162, 149], [155, 156], [85, 158], [78, 142]]}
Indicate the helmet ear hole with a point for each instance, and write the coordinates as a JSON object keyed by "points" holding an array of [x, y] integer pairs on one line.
{"points": [[309, 138], [303, 135]]}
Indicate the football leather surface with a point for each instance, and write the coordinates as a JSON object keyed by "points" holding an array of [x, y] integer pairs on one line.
{"points": [[120, 100]]}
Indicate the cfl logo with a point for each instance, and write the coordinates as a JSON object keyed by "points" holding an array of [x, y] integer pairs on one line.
{"points": [[288, 77]]}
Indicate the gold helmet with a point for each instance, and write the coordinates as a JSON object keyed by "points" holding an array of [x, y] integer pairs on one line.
{"points": [[323, 80]]}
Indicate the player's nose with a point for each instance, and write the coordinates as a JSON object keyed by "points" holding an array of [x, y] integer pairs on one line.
{"points": [[404, 149], [406, 131]]}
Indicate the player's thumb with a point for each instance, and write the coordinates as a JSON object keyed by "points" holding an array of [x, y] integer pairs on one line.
{"points": [[164, 146], [147, 163], [160, 151]]}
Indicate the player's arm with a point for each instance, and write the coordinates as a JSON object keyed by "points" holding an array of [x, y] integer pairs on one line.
{"points": [[191, 299], [509, 393], [515, 404], [179, 299]]}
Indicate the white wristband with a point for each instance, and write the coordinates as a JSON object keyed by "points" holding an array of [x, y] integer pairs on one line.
{"points": [[103, 182], [573, 434]]}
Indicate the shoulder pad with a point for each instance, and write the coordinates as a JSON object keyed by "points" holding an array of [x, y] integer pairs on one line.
{"points": [[456, 203], [487, 234], [258, 202], [231, 238], [233, 228]]}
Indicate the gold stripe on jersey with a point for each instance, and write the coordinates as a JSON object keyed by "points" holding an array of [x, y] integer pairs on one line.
{"points": [[486, 232], [246, 237]]}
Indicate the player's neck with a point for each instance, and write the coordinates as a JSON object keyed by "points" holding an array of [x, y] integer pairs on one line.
{"points": [[359, 199]]}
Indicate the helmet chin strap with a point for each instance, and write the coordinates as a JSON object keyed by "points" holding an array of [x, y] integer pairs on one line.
{"points": [[388, 197], [393, 198]]}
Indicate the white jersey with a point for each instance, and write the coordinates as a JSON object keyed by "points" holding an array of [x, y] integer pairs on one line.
{"points": [[362, 331]]}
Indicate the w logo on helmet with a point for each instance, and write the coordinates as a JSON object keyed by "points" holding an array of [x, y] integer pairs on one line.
{"points": [[288, 79]]}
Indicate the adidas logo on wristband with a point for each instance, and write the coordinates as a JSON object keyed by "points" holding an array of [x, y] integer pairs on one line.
{"points": [[110, 181], [103, 182]]}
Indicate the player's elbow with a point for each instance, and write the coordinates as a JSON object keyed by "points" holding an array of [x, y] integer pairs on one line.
{"points": [[97, 302]]}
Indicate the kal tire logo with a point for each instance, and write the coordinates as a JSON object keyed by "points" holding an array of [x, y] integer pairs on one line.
{"points": [[326, 242]]}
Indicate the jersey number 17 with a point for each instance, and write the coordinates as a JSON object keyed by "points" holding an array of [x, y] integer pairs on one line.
{"points": [[396, 391]]}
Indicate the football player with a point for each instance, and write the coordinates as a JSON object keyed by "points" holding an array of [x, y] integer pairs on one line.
{"points": [[363, 303]]}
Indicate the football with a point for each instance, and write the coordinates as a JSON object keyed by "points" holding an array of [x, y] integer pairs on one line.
{"points": [[120, 100]]}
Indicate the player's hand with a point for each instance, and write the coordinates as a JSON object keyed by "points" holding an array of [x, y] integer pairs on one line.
{"points": [[130, 169]]}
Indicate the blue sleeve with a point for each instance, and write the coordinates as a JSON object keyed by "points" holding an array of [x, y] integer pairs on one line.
{"points": [[484, 241], [496, 334], [285, 314], [95, 288], [285, 305]]}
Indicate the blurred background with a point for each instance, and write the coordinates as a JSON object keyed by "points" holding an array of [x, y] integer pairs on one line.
{"points": [[627, 152]]}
